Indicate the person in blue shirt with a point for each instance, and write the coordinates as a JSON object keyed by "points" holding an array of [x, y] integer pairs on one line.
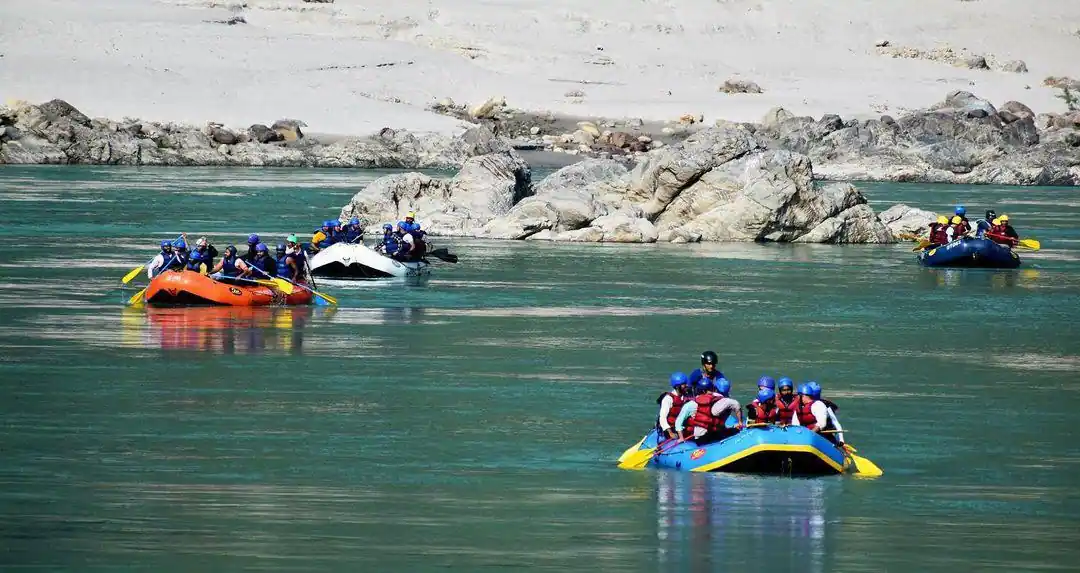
{"points": [[708, 373], [202, 258], [390, 242], [261, 262], [409, 224], [352, 232]]}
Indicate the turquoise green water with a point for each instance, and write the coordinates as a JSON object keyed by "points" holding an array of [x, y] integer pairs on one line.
{"points": [[470, 421]]}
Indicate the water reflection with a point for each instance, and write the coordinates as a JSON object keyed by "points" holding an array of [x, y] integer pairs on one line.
{"points": [[708, 522], [221, 330], [995, 279]]}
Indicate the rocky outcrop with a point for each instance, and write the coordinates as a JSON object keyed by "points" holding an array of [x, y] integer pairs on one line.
{"points": [[964, 139], [57, 132], [486, 187], [906, 222], [718, 185]]}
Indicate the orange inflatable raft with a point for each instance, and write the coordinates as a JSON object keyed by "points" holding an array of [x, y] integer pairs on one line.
{"points": [[189, 287]]}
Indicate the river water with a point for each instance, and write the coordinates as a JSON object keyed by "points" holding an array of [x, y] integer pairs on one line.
{"points": [[471, 420]]}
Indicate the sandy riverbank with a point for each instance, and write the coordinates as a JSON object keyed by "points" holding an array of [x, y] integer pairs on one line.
{"points": [[353, 67]]}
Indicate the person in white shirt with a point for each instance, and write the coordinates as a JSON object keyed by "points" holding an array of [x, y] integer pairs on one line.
{"points": [[671, 404], [707, 414], [816, 414], [166, 258]]}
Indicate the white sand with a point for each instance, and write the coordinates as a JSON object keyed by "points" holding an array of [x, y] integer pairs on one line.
{"points": [[159, 60]]}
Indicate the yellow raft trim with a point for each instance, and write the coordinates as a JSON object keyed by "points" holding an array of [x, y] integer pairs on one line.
{"points": [[773, 448]]}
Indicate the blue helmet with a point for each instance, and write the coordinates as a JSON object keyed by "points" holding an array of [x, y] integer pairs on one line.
{"points": [[230, 250], [765, 394], [329, 223], [260, 248], [253, 239], [354, 221], [281, 247], [387, 227], [785, 382], [679, 379], [804, 389], [766, 381], [960, 210], [166, 244], [814, 389], [723, 386]]}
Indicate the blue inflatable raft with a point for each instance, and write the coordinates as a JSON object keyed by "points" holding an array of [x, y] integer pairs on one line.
{"points": [[769, 450], [970, 252]]}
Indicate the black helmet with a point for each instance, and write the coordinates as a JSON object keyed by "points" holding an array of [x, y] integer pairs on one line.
{"points": [[709, 357], [991, 215]]}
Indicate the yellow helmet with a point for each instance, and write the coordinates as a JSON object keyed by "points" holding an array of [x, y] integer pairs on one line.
{"points": [[942, 220], [956, 219], [996, 221], [1004, 218], [410, 215]]}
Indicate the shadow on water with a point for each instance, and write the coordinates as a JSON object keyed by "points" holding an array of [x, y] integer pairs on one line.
{"points": [[978, 278]]}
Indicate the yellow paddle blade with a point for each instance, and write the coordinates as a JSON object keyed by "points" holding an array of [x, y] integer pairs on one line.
{"points": [[137, 298], [325, 297], [863, 466], [632, 449], [203, 270], [284, 286], [637, 460], [134, 272], [1031, 244], [922, 245]]}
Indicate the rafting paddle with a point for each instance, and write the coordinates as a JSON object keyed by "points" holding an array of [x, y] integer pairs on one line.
{"points": [[641, 458], [863, 466], [1030, 244], [320, 298], [135, 271], [444, 255]]}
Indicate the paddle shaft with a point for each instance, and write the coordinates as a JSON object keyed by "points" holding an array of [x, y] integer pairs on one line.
{"points": [[317, 294]]}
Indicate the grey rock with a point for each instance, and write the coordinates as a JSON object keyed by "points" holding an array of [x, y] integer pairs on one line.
{"points": [[963, 139], [56, 132], [485, 187], [906, 222]]}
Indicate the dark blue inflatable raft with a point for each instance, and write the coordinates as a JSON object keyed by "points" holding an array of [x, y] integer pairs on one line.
{"points": [[968, 252]]}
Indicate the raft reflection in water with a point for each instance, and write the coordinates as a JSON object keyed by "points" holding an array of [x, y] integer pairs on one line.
{"points": [[221, 329], [723, 522]]}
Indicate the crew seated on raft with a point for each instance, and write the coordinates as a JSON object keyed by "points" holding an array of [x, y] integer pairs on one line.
{"points": [[334, 232], [945, 230], [289, 262], [700, 412], [401, 245]]}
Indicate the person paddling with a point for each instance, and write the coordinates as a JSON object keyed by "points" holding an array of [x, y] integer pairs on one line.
{"points": [[202, 258], [763, 410], [165, 260], [286, 264], [705, 418], [262, 261], [786, 401], [937, 231], [1003, 233], [230, 266], [815, 415], [672, 402]]}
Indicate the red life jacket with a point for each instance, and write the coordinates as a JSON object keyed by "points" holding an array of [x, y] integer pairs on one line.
{"points": [[703, 417], [764, 414], [937, 234], [998, 235], [785, 412], [677, 402], [806, 417]]}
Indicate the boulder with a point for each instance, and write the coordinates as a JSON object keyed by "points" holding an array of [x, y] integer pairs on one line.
{"points": [[485, 187], [735, 86], [289, 129], [906, 222], [264, 134], [717, 185]]}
